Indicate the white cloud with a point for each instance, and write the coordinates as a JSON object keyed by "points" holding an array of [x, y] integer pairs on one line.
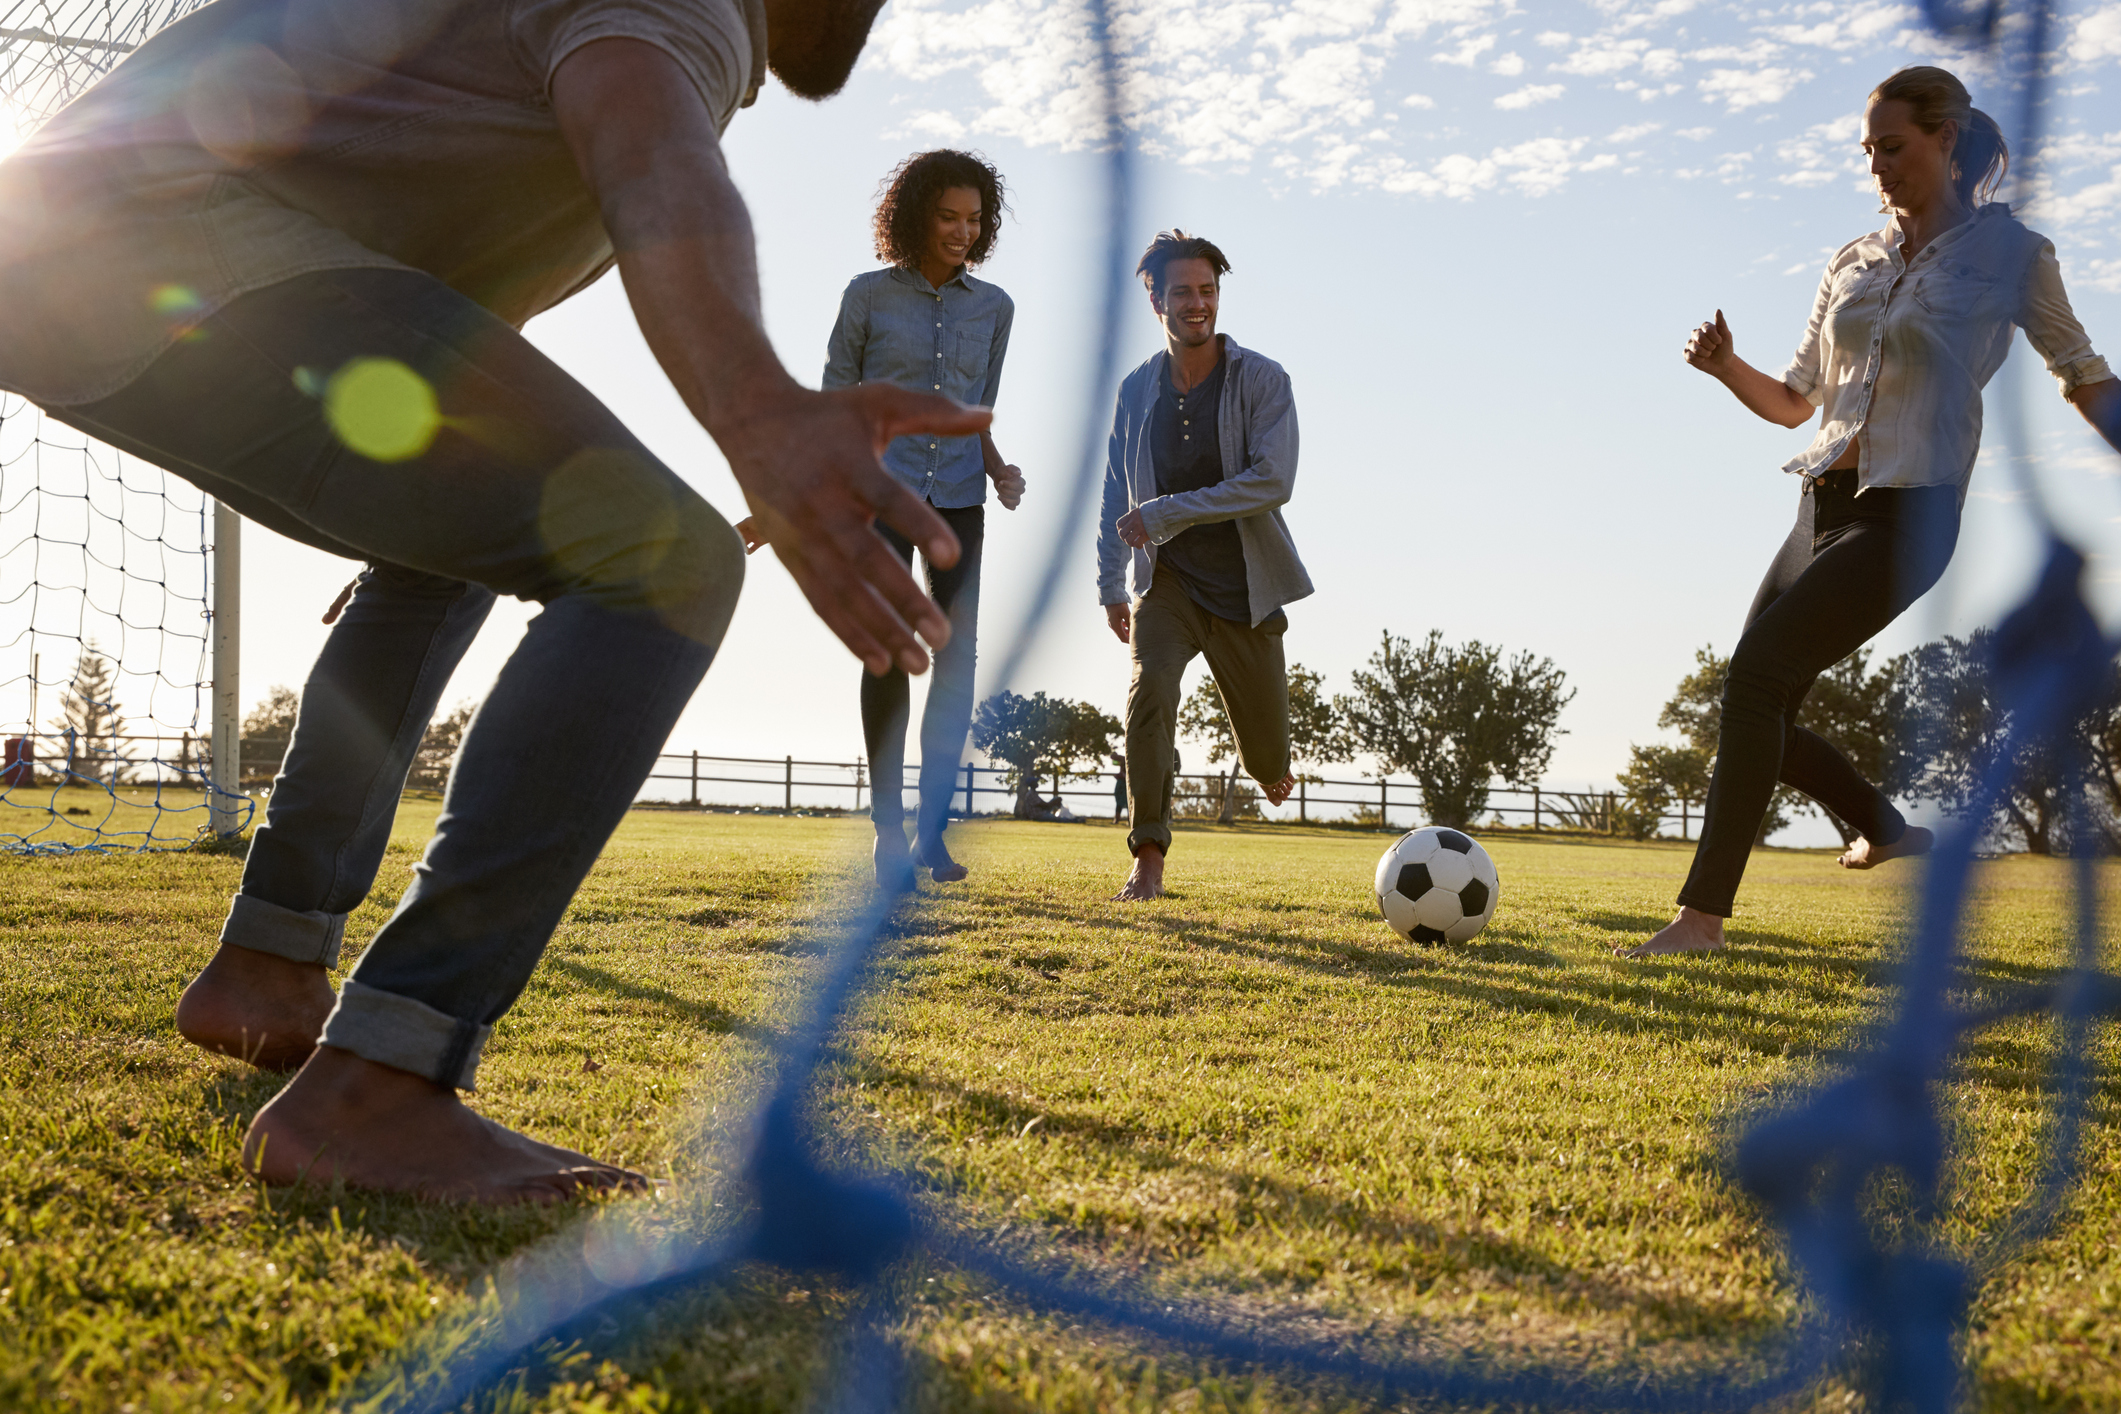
{"points": [[1530, 94], [1464, 55], [1306, 89], [2097, 35], [1739, 89]]}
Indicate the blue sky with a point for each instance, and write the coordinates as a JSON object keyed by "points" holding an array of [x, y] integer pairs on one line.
{"points": [[1476, 235]]}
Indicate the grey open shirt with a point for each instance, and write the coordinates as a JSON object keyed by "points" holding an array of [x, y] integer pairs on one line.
{"points": [[1256, 421]]}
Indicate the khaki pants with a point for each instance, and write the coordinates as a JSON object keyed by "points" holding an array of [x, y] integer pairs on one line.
{"points": [[1169, 631]]}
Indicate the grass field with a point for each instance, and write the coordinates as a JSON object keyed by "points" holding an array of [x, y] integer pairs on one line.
{"points": [[1250, 1091]]}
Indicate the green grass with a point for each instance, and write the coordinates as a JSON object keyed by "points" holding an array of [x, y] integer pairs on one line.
{"points": [[1250, 1094]]}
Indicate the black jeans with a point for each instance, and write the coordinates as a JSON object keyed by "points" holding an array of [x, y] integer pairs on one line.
{"points": [[524, 484], [1848, 569], [947, 717]]}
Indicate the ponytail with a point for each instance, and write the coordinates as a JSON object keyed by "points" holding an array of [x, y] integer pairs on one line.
{"points": [[1980, 156]]}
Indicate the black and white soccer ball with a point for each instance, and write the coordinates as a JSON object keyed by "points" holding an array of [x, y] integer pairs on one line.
{"points": [[1437, 886]]}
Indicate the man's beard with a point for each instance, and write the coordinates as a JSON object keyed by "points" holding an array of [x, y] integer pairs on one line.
{"points": [[817, 66]]}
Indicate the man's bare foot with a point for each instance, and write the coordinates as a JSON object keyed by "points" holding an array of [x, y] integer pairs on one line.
{"points": [[1146, 880], [1281, 790], [937, 861], [350, 1120], [1863, 854], [1691, 931], [256, 1007]]}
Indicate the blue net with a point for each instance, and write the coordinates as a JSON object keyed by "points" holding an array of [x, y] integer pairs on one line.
{"points": [[105, 560], [1899, 1304]]}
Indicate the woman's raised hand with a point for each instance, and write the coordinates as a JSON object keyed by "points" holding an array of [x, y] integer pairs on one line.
{"points": [[1709, 348]]}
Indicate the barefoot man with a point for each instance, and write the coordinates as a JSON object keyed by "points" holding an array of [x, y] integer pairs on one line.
{"points": [[1202, 458], [284, 250]]}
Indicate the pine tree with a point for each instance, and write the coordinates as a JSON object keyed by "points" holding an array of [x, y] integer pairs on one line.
{"points": [[90, 720]]}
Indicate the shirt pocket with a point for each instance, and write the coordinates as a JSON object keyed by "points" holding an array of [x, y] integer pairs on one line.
{"points": [[974, 347], [1952, 289]]}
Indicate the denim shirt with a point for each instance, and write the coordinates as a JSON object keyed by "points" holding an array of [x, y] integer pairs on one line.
{"points": [[1897, 352], [895, 327]]}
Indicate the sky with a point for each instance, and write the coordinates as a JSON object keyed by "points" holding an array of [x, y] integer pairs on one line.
{"points": [[1476, 234]]}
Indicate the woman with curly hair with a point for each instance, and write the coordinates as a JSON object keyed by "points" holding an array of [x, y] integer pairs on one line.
{"points": [[924, 322], [1909, 324]]}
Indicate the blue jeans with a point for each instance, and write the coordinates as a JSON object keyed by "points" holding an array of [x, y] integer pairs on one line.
{"points": [[947, 717], [530, 488]]}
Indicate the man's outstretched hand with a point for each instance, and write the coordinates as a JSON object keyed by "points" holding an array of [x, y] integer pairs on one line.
{"points": [[808, 465]]}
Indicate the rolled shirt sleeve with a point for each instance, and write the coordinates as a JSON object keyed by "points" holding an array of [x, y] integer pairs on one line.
{"points": [[2052, 327], [850, 337], [707, 38], [1802, 376]]}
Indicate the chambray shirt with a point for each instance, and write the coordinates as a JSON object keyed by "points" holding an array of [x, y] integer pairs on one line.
{"points": [[895, 327], [1897, 352]]}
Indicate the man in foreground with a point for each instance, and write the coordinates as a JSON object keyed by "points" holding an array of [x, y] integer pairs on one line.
{"points": [[1202, 458], [286, 255]]}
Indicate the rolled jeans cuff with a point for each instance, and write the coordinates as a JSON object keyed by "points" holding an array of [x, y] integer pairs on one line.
{"points": [[268, 928], [405, 1035]]}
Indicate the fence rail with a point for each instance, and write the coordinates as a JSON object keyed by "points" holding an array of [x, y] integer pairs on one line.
{"points": [[791, 783]]}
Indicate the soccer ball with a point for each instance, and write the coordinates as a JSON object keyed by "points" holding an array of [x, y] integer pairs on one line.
{"points": [[1437, 886]]}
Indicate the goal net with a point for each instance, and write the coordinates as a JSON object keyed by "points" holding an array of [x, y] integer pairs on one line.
{"points": [[108, 704]]}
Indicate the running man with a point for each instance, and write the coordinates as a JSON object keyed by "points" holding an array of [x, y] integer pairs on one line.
{"points": [[1202, 458], [924, 322], [284, 251]]}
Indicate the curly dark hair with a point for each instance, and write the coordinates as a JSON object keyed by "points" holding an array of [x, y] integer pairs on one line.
{"points": [[1175, 244], [909, 195]]}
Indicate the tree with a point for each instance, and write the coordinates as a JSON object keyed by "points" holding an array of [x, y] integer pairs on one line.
{"points": [[273, 718], [1957, 726], [437, 752], [91, 722], [1456, 718], [1038, 735]]}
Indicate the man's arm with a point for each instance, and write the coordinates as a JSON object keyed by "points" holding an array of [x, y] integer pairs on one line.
{"points": [[1111, 552], [1265, 482], [807, 462]]}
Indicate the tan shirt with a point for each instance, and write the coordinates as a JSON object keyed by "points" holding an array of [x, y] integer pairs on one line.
{"points": [[256, 140], [1897, 352]]}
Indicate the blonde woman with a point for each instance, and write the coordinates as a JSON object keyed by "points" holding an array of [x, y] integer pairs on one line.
{"points": [[1909, 324]]}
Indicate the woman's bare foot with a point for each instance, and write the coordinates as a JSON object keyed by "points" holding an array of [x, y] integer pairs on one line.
{"points": [[937, 861], [349, 1120], [1691, 931], [256, 1007], [1863, 854], [1146, 880], [1281, 789]]}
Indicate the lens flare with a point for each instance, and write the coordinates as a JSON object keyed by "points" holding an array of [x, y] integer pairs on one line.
{"points": [[174, 301], [382, 409]]}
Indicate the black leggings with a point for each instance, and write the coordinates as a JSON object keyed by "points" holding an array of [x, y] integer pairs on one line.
{"points": [[887, 700], [1849, 568]]}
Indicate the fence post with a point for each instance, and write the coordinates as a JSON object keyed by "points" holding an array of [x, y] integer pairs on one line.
{"points": [[788, 786], [857, 785], [1303, 802], [695, 780], [968, 790], [1682, 819], [1609, 812], [1384, 804]]}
